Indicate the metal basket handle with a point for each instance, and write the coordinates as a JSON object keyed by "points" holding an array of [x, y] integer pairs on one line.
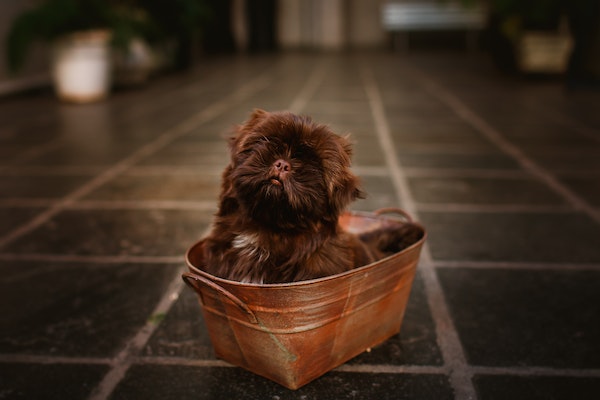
{"points": [[394, 210], [194, 281]]}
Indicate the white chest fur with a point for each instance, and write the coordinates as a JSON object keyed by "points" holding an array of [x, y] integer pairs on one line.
{"points": [[248, 245]]}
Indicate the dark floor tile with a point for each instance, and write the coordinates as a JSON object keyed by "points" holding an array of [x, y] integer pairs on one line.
{"points": [[200, 186], [329, 114], [178, 382], [10, 154], [540, 129], [398, 98], [183, 332], [366, 151], [409, 114], [115, 232], [482, 191], [34, 131], [526, 318], [211, 136], [192, 153], [13, 217], [353, 111], [379, 192], [586, 187], [545, 152], [565, 161], [73, 309], [49, 381], [336, 93], [534, 135], [529, 237], [490, 387], [90, 153], [425, 133], [444, 159], [416, 344], [38, 186]]}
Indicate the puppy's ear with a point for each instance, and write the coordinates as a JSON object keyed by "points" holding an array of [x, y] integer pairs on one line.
{"points": [[346, 190], [343, 186], [236, 141], [227, 199], [257, 114], [256, 117]]}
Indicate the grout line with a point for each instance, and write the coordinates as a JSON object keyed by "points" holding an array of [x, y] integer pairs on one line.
{"points": [[566, 121], [209, 206], [32, 153], [141, 170], [517, 265], [494, 208], [528, 371], [125, 358], [575, 173], [299, 103], [209, 169], [416, 172], [458, 148], [325, 104], [537, 371], [112, 204], [48, 170], [168, 136], [145, 205], [100, 259], [392, 369], [446, 333], [45, 359], [496, 138], [559, 150], [17, 202], [133, 259], [370, 170], [185, 362]]}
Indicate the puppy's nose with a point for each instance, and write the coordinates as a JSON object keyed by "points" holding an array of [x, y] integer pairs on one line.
{"points": [[282, 167]]}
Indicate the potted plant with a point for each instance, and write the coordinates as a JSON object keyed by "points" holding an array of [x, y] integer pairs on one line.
{"points": [[82, 33], [530, 36], [178, 27]]}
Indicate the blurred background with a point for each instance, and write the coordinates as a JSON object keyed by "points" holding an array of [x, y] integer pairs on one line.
{"points": [[550, 37], [480, 118]]}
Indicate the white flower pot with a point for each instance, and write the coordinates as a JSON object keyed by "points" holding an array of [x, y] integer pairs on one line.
{"points": [[82, 66]]}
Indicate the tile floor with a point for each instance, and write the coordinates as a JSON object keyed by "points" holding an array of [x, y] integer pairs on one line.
{"points": [[98, 203]]}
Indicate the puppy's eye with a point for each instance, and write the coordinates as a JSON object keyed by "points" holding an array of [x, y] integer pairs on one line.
{"points": [[302, 152], [298, 153]]}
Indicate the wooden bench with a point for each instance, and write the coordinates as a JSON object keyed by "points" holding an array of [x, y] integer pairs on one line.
{"points": [[400, 18]]}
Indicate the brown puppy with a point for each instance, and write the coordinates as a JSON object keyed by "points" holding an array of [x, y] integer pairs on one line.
{"points": [[288, 181]]}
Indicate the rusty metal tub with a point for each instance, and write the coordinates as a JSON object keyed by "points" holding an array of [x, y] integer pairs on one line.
{"points": [[295, 332]]}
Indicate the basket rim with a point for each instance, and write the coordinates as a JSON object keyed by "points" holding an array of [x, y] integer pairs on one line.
{"points": [[307, 282]]}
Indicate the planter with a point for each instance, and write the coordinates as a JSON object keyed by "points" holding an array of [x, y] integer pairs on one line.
{"points": [[81, 66], [543, 52], [295, 332]]}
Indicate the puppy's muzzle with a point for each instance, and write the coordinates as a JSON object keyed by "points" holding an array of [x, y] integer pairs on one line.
{"points": [[280, 169]]}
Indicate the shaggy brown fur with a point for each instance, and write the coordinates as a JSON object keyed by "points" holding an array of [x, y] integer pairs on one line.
{"points": [[288, 181]]}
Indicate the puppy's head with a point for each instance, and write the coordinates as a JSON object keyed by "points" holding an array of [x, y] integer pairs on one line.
{"points": [[288, 172]]}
